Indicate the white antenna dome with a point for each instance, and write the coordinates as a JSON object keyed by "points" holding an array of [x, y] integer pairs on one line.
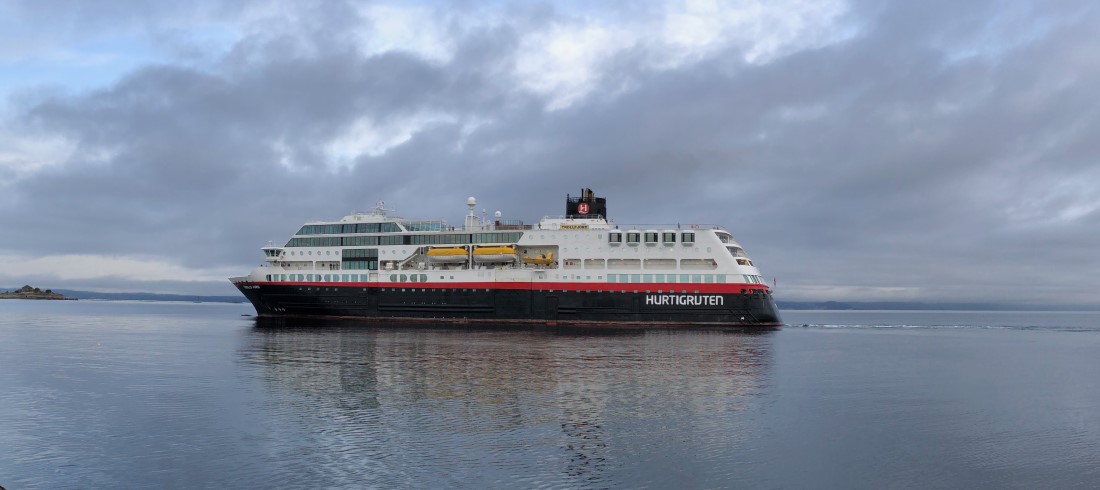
{"points": [[497, 214], [470, 201]]}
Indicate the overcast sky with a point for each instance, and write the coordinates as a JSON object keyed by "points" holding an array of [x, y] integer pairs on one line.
{"points": [[910, 150]]}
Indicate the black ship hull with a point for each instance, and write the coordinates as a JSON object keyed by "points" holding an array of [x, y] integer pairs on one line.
{"points": [[744, 307]]}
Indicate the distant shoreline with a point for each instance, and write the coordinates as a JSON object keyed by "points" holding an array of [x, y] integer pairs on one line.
{"points": [[920, 306], [138, 296], [39, 297], [782, 304], [28, 292]]}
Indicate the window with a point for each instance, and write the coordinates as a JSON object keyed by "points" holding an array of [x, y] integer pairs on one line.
{"points": [[698, 264], [651, 237], [352, 241], [660, 264], [668, 237], [352, 253], [624, 263], [632, 237], [615, 237], [687, 237], [424, 225]]}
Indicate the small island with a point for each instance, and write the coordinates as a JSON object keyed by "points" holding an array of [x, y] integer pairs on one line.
{"points": [[27, 292]]}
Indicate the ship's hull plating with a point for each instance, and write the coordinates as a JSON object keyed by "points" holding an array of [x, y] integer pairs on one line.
{"points": [[485, 305]]}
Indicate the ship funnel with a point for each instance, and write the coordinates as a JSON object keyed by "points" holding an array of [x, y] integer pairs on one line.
{"points": [[587, 205]]}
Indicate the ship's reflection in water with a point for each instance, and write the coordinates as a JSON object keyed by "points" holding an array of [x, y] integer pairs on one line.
{"points": [[435, 405]]}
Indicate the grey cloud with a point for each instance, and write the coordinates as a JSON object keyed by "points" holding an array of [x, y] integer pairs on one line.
{"points": [[892, 158]]}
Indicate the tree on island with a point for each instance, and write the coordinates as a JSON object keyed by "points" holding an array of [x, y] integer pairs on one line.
{"points": [[31, 291]]}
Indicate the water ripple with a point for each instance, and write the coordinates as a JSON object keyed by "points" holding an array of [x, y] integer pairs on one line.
{"points": [[135, 395]]}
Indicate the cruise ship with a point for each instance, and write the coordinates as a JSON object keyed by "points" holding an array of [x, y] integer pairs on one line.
{"points": [[579, 268]]}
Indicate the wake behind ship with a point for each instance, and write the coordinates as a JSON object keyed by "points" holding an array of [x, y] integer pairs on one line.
{"points": [[580, 268]]}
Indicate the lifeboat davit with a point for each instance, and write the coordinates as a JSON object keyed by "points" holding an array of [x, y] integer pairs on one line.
{"points": [[447, 255], [495, 253]]}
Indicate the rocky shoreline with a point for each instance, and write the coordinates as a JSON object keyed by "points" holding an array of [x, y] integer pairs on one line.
{"points": [[27, 292]]}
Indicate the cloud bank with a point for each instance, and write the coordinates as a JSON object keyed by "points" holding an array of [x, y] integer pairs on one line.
{"points": [[859, 150]]}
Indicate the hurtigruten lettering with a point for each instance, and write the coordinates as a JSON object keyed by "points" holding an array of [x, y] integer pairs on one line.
{"points": [[684, 300]]}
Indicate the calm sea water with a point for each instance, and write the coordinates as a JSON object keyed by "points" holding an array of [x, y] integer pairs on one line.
{"points": [[149, 395]]}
